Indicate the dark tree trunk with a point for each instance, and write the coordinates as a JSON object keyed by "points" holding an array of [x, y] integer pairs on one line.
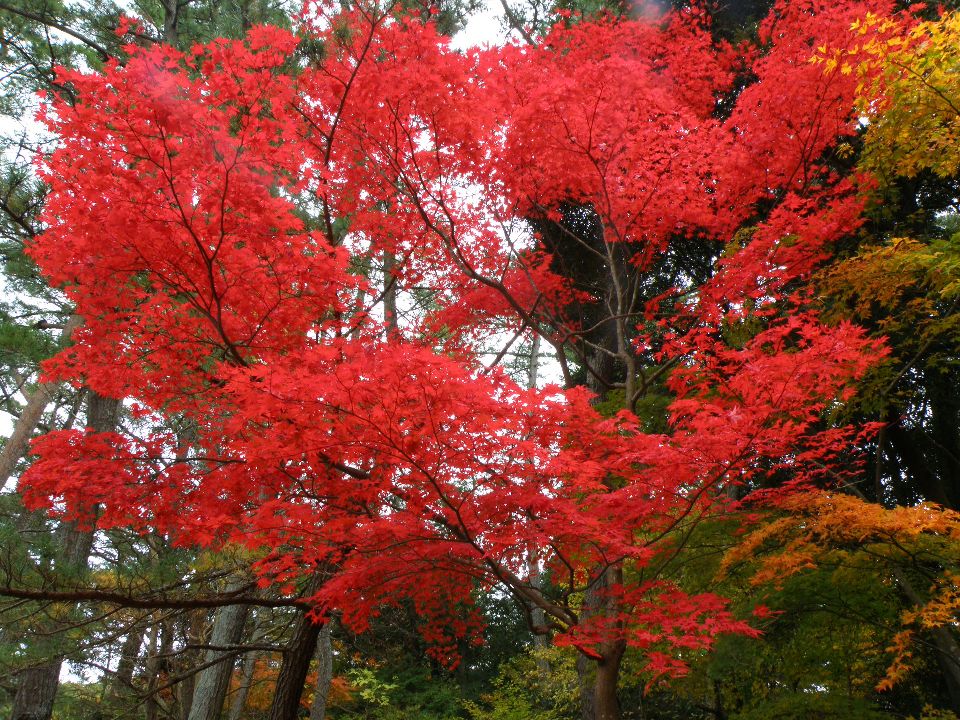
{"points": [[171, 20], [606, 700], [161, 641], [121, 686], [129, 653], [36, 689], [293, 670], [296, 661], [599, 677]]}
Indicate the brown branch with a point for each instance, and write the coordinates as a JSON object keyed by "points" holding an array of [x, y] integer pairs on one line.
{"points": [[97, 595]]}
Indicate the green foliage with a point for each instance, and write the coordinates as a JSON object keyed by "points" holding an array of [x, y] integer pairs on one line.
{"points": [[393, 693], [523, 691], [812, 705]]}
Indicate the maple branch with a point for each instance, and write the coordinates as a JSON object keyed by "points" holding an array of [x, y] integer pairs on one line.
{"points": [[505, 349], [355, 473], [923, 81], [460, 261]]}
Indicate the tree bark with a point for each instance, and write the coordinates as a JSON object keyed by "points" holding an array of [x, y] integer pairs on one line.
{"points": [[541, 641], [171, 19], [36, 689], [122, 682], [599, 677], [239, 700], [161, 640], [318, 708], [296, 662], [212, 683], [606, 701]]}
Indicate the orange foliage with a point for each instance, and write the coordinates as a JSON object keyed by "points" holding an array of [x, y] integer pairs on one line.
{"points": [[905, 543]]}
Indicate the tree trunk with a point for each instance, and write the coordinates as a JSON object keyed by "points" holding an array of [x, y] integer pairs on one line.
{"points": [[586, 680], [948, 656], [36, 689], [18, 442], [293, 670], [122, 682], [538, 616], [212, 683], [606, 701], [37, 686], [318, 709], [171, 19], [239, 701], [541, 641], [193, 625], [161, 641], [150, 670], [599, 677], [296, 663]]}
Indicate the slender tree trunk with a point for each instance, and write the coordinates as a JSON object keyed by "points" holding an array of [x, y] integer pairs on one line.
{"points": [[318, 709], [239, 700], [18, 442], [161, 641], [122, 682], [718, 711], [540, 640], [150, 670], [533, 370], [212, 683], [37, 686], [193, 625]]}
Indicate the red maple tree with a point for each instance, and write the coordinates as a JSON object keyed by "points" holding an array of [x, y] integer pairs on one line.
{"points": [[215, 216]]}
